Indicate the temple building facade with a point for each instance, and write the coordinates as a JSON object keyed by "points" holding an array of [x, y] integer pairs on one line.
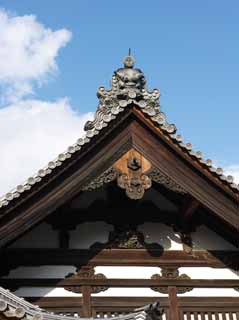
{"points": [[129, 222]]}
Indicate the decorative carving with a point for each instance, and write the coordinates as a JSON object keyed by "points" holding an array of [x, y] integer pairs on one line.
{"points": [[134, 174], [170, 273], [86, 272], [134, 186], [153, 311], [132, 168], [159, 177], [128, 77], [126, 237], [106, 177], [134, 163], [128, 86]]}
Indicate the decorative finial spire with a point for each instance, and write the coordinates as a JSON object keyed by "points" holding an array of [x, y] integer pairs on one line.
{"points": [[129, 61]]}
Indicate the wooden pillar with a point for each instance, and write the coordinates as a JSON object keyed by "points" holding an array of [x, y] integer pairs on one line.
{"points": [[173, 304], [86, 302]]}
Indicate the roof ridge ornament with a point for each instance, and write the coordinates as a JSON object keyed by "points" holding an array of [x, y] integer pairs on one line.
{"points": [[128, 87], [129, 60]]}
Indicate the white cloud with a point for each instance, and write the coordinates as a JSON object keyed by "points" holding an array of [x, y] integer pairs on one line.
{"points": [[28, 54], [32, 133]]}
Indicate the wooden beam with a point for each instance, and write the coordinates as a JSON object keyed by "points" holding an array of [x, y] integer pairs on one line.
{"points": [[118, 283], [86, 302], [13, 258], [131, 130], [190, 175], [173, 304], [190, 205]]}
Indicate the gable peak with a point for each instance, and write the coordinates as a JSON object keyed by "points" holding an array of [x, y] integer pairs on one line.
{"points": [[127, 88]]}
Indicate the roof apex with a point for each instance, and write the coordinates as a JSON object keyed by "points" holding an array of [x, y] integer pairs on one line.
{"points": [[128, 89]]}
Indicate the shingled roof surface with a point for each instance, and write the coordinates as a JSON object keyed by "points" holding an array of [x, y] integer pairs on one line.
{"points": [[128, 88]]}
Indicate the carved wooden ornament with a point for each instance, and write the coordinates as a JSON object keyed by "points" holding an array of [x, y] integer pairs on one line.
{"points": [[132, 176], [171, 273], [86, 272]]}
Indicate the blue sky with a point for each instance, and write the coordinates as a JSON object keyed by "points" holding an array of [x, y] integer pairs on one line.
{"points": [[188, 49]]}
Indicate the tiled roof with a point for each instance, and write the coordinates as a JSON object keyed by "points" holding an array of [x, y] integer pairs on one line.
{"points": [[12, 306], [128, 87]]}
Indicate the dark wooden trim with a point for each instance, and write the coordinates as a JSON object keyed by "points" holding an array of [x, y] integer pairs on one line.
{"points": [[188, 208], [184, 155], [118, 283], [183, 173], [116, 257], [133, 130], [82, 167]]}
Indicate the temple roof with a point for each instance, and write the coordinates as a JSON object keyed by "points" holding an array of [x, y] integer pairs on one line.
{"points": [[11, 306], [128, 88]]}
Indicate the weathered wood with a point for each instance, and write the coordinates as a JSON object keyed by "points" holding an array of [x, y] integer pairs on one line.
{"points": [[170, 162], [173, 303], [114, 257], [86, 302], [131, 130], [190, 205]]}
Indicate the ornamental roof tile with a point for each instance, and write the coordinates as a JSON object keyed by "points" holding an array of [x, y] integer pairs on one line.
{"points": [[128, 88]]}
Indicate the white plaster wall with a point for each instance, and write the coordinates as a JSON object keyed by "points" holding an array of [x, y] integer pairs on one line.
{"points": [[211, 293], [41, 272], [125, 273], [161, 234], [206, 239], [159, 200], [210, 273], [45, 292], [129, 292], [128, 272], [88, 233], [40, 237]]}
